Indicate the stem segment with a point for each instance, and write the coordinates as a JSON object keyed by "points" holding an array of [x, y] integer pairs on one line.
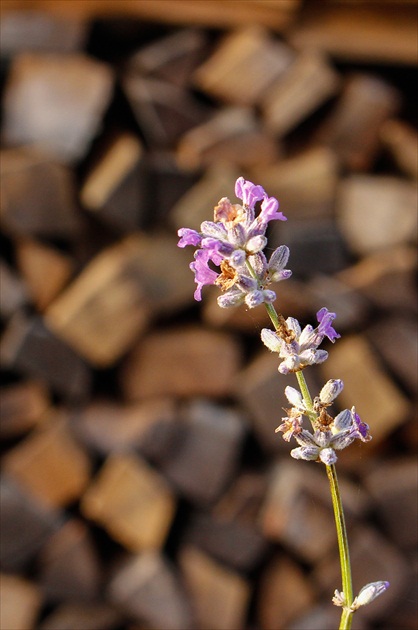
{"points": [[347, 587]]}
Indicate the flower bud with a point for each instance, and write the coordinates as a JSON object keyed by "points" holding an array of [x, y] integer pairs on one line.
{"points": [[330, 391], [368, 593], [271, 340]]}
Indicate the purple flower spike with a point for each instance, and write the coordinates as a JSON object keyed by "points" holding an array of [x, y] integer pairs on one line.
{"points": [[248, 192], [203, 274], [325, 319]]}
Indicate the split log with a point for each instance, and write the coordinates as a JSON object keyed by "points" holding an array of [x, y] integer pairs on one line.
{"points": [[26, 525], [13, 293], [376, 212], [132, 502], [38, 195], [244, 66], [352, 129], [219, 596], [45, 270], [20, 603], [22, 407], [203, 460], [305, 184], [40, 86], [69, 568], [147, 588], [308, 83], [113, 190], [187, 361], [164, 112], [50, 465], [360, 32], [30, 348], [79, 616], [172, 58], [110, 303], [40, 31], [285, 594], [231, 136]]}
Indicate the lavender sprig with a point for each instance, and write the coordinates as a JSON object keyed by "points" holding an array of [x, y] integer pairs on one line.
{"points": [[230, 254]]}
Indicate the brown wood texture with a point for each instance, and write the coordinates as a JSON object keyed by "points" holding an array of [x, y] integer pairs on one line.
{"points": [[143, 484]]}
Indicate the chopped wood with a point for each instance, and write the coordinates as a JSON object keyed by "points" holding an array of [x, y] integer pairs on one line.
{"points": [[132, 502], [38, 195], [220, 597], [40, 86], [244, 67], [147, 587], [307, 84], [352, 129], [20, 602], [183, 362], [50, 465], [46, 270], [22, 407], [360, 32]]}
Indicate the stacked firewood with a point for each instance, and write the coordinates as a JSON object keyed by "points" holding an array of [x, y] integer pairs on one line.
{"points": [[143, 485]]}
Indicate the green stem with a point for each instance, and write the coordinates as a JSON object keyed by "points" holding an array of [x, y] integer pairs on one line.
{"points": [[347, 587], [304, 390]]}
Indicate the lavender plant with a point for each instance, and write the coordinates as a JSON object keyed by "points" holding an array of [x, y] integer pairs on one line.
{"points": [[230, 254]]}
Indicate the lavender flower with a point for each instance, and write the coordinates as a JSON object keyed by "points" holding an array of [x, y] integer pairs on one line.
{"points": [[234, 242], [302, 350], [329, 434]]}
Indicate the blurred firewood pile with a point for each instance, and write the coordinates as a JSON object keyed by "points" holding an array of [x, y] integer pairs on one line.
{"points": [[143, 486]]}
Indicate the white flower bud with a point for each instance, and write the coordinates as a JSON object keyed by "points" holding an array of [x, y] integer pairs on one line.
{"points": [[271, 340], [368, 593], [330, 391], [294, 397]]}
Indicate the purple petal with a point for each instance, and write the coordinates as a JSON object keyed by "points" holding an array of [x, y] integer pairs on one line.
{"points": [[188, 237], [361, 428], [248, 192], [203, 274], [269, 209], [325, 329]]}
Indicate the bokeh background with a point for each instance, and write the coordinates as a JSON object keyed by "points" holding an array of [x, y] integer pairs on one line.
{"points": [[143, 485]]}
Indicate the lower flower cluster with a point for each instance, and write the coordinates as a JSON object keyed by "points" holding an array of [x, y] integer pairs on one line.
{"points": [[329, 434]]}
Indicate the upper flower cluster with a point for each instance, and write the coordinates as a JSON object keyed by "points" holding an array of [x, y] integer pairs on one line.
{"points": [[234, 242]]}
